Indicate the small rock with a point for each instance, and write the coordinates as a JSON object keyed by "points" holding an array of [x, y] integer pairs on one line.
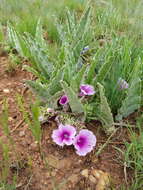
{"points": [[92, 179], [10, 119], [22, 133], [19, 185], [6, 91], [53, 173], [103, 179], [84, 173], [54, 161], [96, 173], [103, 182], [58, 164], [73, 178], [34, 146]]}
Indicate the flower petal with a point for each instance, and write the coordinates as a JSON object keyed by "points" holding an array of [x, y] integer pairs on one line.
{"points": [[84, 142], [122, 84], [87, 89], [63, 100], [56, 136], [65, 134]]}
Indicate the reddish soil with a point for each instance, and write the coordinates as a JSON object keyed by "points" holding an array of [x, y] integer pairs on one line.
{"points": [[56, 165]]}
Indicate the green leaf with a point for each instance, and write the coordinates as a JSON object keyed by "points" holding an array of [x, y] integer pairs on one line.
{"points": [[36, 127], [132, 101], [16, 40], [71, 23], [55, 85], [104, 70], [79, 77], [34, 71], [52, 101], [39, 34], [38, 56], [84, 21], [40, 90], [75, 104], [105, 114], [91, 73]]}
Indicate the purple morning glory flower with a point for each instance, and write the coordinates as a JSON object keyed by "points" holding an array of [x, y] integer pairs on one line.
{"points": [[64, 100], [86, 89], [84, 142], [64, 135], [122, 84]]}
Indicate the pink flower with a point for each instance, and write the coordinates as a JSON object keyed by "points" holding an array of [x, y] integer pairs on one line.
{"points": [[84, 142], [64, 100], [65, 134], [86, 90]]}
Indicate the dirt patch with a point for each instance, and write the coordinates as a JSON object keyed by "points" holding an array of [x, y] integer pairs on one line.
{"points": [[62, 166], [56, 167], [12, 84]]}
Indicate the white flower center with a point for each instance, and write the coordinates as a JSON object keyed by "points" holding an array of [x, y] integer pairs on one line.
{"points": [[65, 135]]}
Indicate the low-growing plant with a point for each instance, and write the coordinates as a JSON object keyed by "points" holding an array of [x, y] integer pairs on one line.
{"points": [[113, 70], [13, 63], [6, 146], [32, 120], [132, 157]]}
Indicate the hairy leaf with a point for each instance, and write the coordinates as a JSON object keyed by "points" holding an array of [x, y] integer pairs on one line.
{"points": [[39, 34], [104, 70], [75, 104], [16, 40], [40, 90], [82, 27], [77, 80], [91, 73], [105, 114], [55, 85], [39, 57], [132, 101]]}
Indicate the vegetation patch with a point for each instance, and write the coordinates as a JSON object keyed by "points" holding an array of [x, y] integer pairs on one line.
{"points": [[71, 95]]}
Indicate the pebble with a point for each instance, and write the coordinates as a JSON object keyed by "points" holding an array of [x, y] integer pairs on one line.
{"points": [[34, 146], [84, 173], [103, 179], [6, 91], [92, 179], [58, 164], [47, 175], [22, 133], [79, 161], [10, 119], [53, 173], [96, 173]]}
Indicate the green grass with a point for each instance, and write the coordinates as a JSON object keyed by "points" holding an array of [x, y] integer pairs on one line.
{"points": [[133, 160], [24, 15]]}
